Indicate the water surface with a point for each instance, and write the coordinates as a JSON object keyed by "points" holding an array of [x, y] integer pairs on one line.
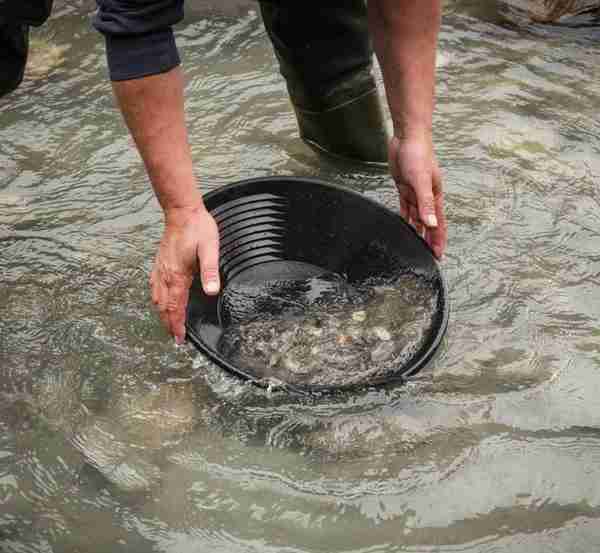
{"points": [[113, 439], [326, 331]]}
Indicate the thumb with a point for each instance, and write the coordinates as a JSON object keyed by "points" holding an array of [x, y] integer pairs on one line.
{"points": [[208, 257], [425, 201]]}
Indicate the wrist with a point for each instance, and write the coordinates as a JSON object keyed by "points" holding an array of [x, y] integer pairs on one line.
{"points": [[179, 198], [413, 134], [180, 215]]}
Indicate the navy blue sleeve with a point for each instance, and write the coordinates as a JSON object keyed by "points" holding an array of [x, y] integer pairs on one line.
{"points": [[139, 38]]}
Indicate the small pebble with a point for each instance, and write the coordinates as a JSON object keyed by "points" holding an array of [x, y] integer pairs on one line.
{"points": [[382, 333], [359, 316], [382, 352], [294, 365], [343, 339]]}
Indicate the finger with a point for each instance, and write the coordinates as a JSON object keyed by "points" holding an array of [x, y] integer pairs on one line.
{"points": [[437, 242], [419, 227], [158, 295], [407, 199], [162, 297], [425, 200], [395, 173], [414, 218], [177, 306], [208, 258], [438, 238]]}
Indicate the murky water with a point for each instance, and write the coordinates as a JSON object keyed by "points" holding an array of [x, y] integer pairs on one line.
{"points": [[113, 439], [325, 331]]}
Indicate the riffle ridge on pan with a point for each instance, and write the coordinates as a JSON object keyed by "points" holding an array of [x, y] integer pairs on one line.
{"points": [[252, 231]]}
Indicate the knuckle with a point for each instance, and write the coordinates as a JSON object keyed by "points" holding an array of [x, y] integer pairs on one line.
{"points": [[408, 198], [164, 320], [173, 306], [427, 202]]}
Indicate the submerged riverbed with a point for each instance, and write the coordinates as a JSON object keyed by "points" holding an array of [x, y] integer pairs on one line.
{"points": [[344, 335], [113, 439]]}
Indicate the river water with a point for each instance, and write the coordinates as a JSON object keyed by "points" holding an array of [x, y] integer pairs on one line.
{"points": [[112, 439]]}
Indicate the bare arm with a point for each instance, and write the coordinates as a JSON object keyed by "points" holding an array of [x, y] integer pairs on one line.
{"points": [[405, 39], [153, 109]]}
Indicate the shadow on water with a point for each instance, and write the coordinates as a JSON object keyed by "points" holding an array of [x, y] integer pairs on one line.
{"points": [[113, 439]]}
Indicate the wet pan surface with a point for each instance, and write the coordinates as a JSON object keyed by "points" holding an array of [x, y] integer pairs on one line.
{"points": [[316, 283]]}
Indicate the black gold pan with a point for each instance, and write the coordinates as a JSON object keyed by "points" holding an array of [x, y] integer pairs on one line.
{"points": [[280, 229]]}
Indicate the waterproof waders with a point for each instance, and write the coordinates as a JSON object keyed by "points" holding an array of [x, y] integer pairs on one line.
{"points": [[16, 16], [14, 42], [325, 56]]}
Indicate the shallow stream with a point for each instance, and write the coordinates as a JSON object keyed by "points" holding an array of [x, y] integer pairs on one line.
{"points": [[112, 439]]}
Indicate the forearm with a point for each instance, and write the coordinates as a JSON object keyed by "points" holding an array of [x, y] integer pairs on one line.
{"points": [[405, 40], [153, 109]]}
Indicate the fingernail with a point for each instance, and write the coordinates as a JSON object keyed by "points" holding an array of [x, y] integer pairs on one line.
{"points": [[431, 220], [178, 340], [211, 287]]}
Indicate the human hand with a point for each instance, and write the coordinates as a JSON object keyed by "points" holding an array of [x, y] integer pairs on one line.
{"points": [[190, 240], [417, 175]]}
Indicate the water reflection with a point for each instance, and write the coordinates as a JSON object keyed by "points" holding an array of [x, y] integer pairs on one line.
{"points": [[113, 439]]}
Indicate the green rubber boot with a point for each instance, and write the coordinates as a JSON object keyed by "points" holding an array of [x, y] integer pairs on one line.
{"points": [[15, 20], [14, 44], [325, 56]]}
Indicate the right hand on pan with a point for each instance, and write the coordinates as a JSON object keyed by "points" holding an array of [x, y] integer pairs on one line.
{"points": [[190, 241], [415, 170]]}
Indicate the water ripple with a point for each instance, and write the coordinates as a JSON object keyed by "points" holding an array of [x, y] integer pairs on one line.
{"points": [[113, 439]]}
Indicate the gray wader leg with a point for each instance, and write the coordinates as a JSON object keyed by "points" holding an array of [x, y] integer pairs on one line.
{"points": [[14, 43], [325, 56]]}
